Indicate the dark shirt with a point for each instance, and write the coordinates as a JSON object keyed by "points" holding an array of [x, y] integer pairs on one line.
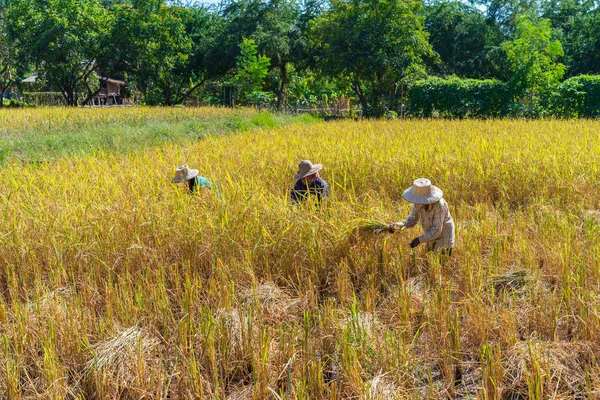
{"points": [[318, 188]]}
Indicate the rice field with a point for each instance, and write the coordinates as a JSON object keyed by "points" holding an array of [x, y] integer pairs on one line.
{"points": [[115, 283]]}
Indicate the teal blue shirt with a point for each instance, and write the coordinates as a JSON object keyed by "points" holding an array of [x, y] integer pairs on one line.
{"points": [[198, 183]]}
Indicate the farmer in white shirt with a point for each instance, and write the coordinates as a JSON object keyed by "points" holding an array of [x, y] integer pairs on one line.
{"points": [[433, 212]]}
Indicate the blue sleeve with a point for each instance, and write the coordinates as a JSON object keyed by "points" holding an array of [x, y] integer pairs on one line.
{"points": [[326, 190], [323, 188], [203, 182], [294, 193]]}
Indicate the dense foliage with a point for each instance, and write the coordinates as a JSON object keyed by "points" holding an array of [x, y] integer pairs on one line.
{"points": [[457, 97], [577, 97], [375, 44], [313, 52]]}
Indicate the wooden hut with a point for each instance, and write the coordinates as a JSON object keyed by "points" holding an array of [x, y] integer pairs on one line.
{"points": [[111, 92]]}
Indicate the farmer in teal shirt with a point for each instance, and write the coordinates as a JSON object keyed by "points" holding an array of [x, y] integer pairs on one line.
{"points": [[194, 181]]}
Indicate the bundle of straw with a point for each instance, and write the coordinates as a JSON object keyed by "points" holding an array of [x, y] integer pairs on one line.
{"points": [[370, 226]]}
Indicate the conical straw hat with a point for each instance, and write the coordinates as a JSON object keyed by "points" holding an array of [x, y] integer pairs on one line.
{"points": [[183, 173], [306, 168], [422, 192]]}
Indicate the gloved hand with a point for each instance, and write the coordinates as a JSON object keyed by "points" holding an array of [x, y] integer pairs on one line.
{"points": [[415, 243]]}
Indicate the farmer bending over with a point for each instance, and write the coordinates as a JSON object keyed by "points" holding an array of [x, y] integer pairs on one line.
{"points": [[193, 181], [433, 212], [309, 183]]}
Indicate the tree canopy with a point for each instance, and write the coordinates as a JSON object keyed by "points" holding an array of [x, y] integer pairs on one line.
{"points": [[533, 57], [367, 50], [375, 44], [60, 38]]}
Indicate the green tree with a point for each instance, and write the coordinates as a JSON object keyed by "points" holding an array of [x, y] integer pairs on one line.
{"points": [[62, 39], [251, 69], [7, 56], [279, 37], [583, 44], [533, 56], [506, 12], [204, 27], [578, 28], [376, 44], [278, 27], [241, 18], [468, 44], [160, 49]]}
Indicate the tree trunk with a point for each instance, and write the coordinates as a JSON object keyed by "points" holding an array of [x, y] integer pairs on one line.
{"points": [[281, 90], [92, 93], [363, 102], [167, 98], [71, 98], [3, 90], [188, 92], [67, 93], [73, 101], [361, 96], [5, 82]]}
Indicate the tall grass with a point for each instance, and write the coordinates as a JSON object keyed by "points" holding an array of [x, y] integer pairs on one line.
{"points": [[41, 135], [116, 283]]}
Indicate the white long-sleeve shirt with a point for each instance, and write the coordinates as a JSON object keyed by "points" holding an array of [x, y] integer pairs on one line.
{"points": [[436, 222]]}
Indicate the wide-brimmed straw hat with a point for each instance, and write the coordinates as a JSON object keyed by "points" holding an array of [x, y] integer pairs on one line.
{"points": [[306, 168], [183, 173], [422, 192]]}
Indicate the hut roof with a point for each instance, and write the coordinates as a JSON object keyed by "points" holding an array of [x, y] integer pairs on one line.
{"points": [[113, 81]]}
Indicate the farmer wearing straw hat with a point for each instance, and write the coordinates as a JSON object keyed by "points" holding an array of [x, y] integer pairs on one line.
{"points": [[309, 183], [432, 210], [183, 173]]}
